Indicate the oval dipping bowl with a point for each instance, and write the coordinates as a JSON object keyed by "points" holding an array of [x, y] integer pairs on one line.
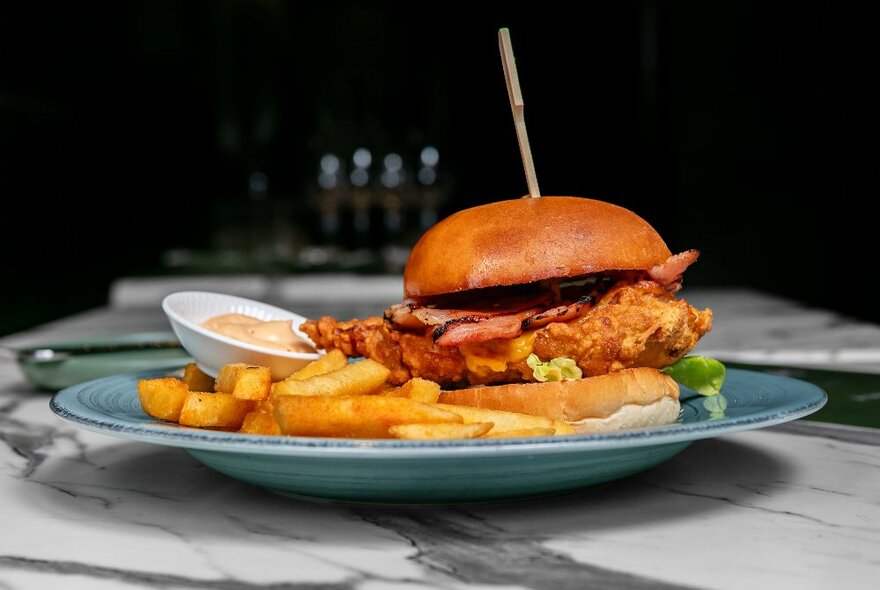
{"points": [[186, 310]]}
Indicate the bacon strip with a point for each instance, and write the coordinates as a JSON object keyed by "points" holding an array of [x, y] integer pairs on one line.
{"points": [[471, 330], [411, 315], [402, 316], [509, 317], [436, 317], [669, 273], [562, 313]]}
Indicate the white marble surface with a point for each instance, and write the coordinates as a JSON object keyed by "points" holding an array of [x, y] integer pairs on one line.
{"points": [[796, 505]]}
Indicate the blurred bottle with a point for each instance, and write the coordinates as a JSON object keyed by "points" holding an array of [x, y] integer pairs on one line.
{"points": [[330, 183], [394, 182], [391, 180], [430, 195], [326, 204], [361, 197]]}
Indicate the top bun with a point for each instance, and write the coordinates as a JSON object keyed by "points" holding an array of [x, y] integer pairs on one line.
{"points": [[529, 239]]}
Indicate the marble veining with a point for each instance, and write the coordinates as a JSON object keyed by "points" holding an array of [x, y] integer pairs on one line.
{"points": [[88, 506]]}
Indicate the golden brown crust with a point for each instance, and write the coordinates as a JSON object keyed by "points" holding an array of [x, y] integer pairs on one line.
{"points": [[405, 354], [572, 401], [639, 325], [525, 240]]}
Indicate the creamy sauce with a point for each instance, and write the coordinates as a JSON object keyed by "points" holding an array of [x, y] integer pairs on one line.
{"points": [[272, 334]]}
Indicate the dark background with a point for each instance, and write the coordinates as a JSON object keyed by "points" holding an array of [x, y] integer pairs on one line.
{"points": [[129, 130]]}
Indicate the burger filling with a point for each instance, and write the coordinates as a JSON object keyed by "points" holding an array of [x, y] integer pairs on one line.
{"points": [[477, 316], [604, 322]]}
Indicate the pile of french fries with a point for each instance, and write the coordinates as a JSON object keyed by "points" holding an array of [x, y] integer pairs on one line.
{"points": [[329, 397]]}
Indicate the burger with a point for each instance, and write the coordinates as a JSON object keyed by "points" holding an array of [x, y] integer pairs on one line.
{"points": [[566, 307]]}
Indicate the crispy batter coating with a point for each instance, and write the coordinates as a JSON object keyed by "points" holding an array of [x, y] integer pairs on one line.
{"points": [[406, 354], [633, 325], [639, 325]]}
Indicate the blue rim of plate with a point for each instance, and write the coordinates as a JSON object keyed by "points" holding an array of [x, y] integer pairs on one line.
{"points": [[777, 399]]}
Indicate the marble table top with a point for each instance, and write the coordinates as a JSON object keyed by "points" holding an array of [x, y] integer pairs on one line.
{"points": [[796, 504]]}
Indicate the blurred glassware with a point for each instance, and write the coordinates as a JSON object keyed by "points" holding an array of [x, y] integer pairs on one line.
{"points": [[361, 214], [361, 198], [329, 180], [430, 196], [392, 249]]}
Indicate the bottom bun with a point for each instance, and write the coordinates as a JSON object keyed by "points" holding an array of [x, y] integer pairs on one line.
{"points": [[631, 398], [660, 413]]}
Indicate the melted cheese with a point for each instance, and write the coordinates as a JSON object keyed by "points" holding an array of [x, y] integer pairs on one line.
{"points": [[493, 356]]}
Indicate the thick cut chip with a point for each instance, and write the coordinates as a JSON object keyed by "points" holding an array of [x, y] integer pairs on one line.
{"points": [[505, 421], [265, 405], [196, 379], [332, 361], [214, 410], [563, 427], [440, 431], [421, 390], [359, 378], [162, 397], [253, 382], [257, 422], [225, 381], [362, 416]]}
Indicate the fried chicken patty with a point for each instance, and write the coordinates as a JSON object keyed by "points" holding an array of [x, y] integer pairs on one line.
{"points": [[632, 325]]}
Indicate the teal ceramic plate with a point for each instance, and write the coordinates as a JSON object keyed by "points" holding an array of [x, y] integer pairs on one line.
{"points": [[430, 472], [101, 357]]}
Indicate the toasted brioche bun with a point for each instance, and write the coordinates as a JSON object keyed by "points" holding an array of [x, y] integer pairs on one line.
{"points": [[631, 398], [525, 240]]}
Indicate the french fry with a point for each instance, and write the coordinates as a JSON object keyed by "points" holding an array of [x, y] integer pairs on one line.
{"points": [[253, 383], [214, 410], [264, 405], [258, 422], [244, 381], [524, 432], [332, 361], [563, 427], [440, 431], [506, 421], [328, 397], [196, 379], [225, 381], [361, 416], [421, 390], [162, 397], [359, 378], [385, 389]]}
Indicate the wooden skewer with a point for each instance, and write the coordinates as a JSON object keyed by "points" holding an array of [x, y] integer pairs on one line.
{"points": [[517, 106]]}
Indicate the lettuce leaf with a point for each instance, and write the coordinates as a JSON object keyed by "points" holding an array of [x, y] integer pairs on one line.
{"points": [[558, 369], [702, 374]]}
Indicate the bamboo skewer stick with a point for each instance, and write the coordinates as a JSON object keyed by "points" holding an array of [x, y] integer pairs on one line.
{"points": [[517, 106]]}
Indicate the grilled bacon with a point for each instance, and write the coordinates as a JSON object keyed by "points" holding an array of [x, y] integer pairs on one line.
{"points": [[669, 273]]}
